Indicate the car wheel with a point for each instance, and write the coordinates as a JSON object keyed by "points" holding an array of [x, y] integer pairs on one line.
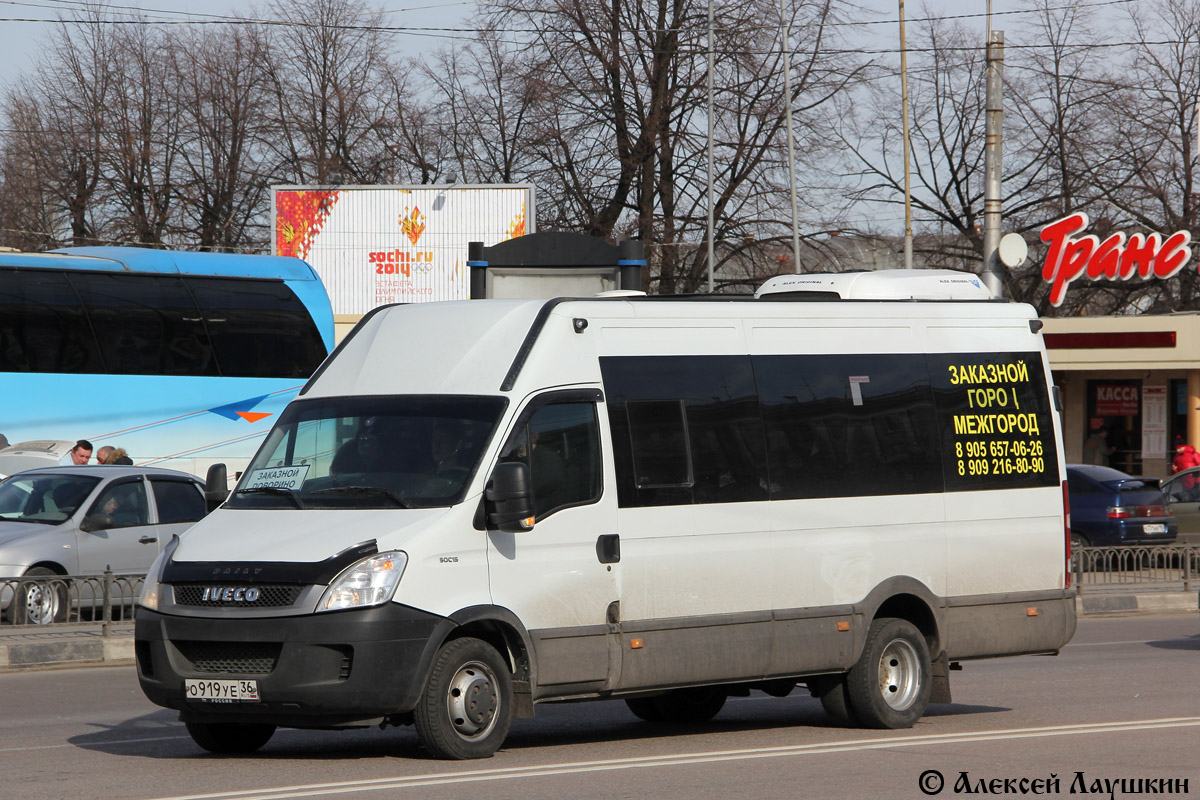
{"points": [[889, 686], [831, 691], [680, 707], [466, 708], [39, 602], [230, 738]]}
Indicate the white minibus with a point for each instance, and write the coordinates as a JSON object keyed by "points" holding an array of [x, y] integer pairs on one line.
{"points": [[850, 483]]}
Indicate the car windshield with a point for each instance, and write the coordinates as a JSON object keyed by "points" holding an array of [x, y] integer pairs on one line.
{"points": [[410, 451], [42, 498]]}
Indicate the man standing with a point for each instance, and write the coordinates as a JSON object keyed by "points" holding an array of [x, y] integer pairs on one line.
{"points": [[81, 452]]}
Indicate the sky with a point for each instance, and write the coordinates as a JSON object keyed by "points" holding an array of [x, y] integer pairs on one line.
{"points": [[24, 24]]}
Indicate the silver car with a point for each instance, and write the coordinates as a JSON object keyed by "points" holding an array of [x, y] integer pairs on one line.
{"points": [[80, 521]]}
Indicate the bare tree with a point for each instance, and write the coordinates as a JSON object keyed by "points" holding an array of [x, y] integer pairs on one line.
{"points": [[324, 70], [620, 117], [54, 144], [141, 135], [1145, 167], [222, 97]]}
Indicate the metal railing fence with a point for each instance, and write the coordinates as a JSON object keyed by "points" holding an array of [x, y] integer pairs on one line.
{"points": [[109, 598], [38, 601], [1136, 566]]}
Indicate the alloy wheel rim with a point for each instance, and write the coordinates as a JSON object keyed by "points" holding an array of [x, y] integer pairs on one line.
{"points": [[41, 604]]}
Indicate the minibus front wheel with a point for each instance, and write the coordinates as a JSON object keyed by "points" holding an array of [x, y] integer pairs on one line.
{"points": [[230, 738], [467, 705]]}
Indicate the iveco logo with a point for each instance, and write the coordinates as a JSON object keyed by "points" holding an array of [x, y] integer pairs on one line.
{"points": [[229, 594]]}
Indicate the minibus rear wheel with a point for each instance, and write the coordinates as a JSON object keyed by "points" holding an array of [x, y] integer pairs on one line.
{"points": [[681, 706], [889, 686], [229, 738], [467, 705]]}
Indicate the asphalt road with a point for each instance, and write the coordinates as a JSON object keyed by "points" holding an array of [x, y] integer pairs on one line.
{"points": [[1121, 702]]}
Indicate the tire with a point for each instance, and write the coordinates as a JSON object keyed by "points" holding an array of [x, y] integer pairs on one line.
{"points": [[680, 707], [467, 704], [40, 603], [230, 738], [889, 686], [835, 699], [645, 709]]}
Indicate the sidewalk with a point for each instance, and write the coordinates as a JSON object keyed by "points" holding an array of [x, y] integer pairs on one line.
{"points": [[84, 645]]}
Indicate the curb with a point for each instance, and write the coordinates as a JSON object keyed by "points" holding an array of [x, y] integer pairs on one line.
{"points": [[1137, 604], [77, 647]]}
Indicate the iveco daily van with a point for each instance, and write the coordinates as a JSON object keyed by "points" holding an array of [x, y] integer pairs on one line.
{"points": [[848, 482]]}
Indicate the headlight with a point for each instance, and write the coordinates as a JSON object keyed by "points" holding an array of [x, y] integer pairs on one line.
{"points": [[151, 587], [369, 582]]}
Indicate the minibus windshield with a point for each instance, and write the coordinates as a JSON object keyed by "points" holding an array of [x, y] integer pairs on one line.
{"points": [[409, 451]]}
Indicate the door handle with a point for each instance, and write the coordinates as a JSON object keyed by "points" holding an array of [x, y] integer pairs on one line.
{"points": [[148, 540], [608, 548]]}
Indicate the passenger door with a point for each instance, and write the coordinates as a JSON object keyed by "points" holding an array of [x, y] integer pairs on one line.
{"points": [[561, 577], [178, 504], [131, 545]]}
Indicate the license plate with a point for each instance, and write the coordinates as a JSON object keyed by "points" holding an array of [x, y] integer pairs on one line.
{"points": [[212, 691], [1154, 527]]}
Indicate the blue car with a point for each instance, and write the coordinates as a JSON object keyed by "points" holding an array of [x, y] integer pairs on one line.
{"points": [[1109, 507]]}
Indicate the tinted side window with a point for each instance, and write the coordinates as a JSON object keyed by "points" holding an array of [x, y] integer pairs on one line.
{"points": [[659, 439], [125, 503], [146, 324], [177, 501], [259, 329], [711, 451], [848, 425], [560, 443], [42, 326]]}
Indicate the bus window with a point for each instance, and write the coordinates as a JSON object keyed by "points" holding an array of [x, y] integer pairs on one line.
{"points": [[42, 326], [146, 325], [259, 329]]}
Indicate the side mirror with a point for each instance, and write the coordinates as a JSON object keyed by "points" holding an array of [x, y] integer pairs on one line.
{"points": [[216, 486], [510, 501], [97, 522]]}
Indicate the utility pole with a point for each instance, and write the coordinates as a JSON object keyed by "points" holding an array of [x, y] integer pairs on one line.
{"points": [[908, 232], [791, 146], [993, 276], [710, 147]]}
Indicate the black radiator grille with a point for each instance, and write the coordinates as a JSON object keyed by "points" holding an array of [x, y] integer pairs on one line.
{"points": [[270, 595], [235, 658]]}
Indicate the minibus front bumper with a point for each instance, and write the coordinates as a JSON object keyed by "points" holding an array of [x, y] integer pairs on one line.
{"points": [[316, 670]]}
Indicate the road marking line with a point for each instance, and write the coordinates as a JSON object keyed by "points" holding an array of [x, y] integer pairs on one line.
{"points": [[92, 745], [508, 773]]}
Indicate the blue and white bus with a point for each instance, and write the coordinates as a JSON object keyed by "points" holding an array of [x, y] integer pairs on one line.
{"points": [[180, 358]]}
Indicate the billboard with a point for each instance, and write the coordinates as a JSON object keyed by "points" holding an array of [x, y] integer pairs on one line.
{"points": [[373, 245]]}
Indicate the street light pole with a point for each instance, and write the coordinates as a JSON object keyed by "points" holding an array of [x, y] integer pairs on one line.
{"points": [[786, 44]]}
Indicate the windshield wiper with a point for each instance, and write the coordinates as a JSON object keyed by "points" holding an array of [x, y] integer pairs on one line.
{"points": [[369, 490], [276, 490]]}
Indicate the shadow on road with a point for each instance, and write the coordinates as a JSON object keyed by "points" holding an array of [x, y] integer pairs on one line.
{"points": [[1185, 643], [160, 734]]}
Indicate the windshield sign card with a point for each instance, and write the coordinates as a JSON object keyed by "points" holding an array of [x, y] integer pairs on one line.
{"points": [[277, 477]]}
